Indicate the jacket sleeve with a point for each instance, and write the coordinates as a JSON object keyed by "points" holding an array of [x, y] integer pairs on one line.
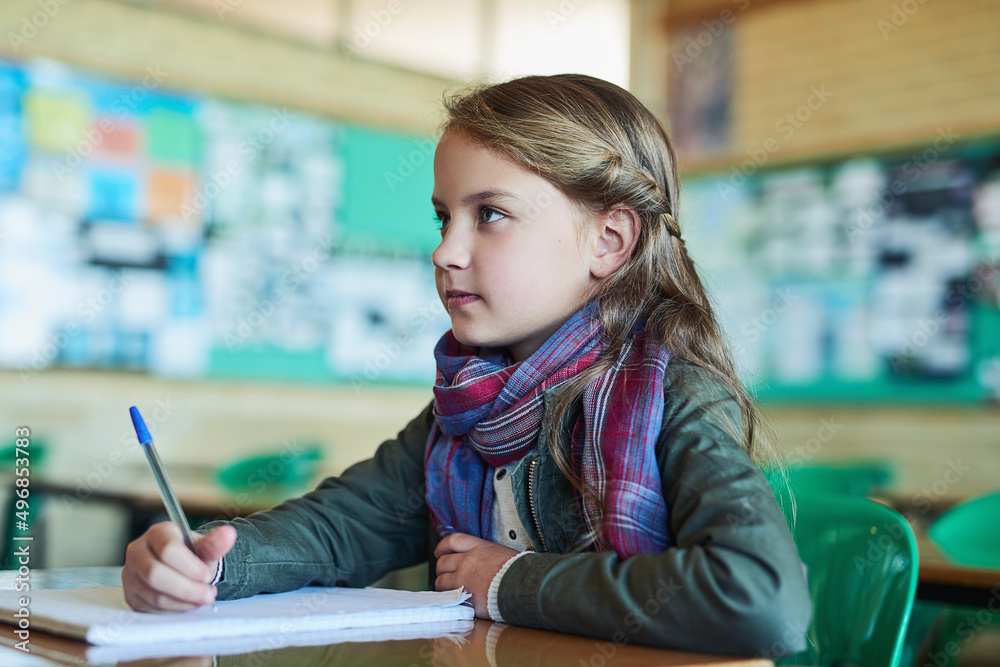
{"points": [[731, 582], [349, 531]]}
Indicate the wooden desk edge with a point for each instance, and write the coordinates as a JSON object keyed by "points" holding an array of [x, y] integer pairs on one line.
{"points": [[68, 651], [940, 572]]}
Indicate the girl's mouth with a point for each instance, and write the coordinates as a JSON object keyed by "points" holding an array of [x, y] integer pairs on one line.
{"points": [[458, 298]]}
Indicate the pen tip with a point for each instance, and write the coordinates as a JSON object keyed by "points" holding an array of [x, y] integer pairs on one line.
{"points": [[141, 431]]}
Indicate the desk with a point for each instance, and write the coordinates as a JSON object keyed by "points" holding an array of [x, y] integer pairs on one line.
{"points": [[132, 489], [512, 646], [941, 580], [197, 488]]}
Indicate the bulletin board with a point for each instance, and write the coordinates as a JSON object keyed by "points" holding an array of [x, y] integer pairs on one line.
{"points": [[849, 279], [188, 236], [184, 235], [387, 192], [874, 278]]}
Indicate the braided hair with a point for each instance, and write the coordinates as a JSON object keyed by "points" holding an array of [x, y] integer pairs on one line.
{"points": [[602, 148]]}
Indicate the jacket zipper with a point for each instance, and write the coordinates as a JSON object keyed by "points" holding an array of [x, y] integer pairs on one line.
{"points": [[531, 502]]}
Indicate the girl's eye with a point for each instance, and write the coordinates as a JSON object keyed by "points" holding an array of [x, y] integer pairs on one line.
{"points": [[487, 214], [441, 220]]}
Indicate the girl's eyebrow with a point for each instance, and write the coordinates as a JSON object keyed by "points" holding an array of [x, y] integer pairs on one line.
{"points": [[484, 195]]}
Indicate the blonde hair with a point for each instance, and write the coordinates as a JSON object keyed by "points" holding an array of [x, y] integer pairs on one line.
{"points": [[602, 148]]}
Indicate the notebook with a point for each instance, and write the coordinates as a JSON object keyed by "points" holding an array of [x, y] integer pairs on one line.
{"points": [[101, 616]]}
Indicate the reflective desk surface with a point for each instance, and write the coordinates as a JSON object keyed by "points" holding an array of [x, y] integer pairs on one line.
{"points": [[943, 580], [484, 644]]}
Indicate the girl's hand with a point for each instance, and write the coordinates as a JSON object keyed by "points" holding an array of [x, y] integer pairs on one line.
{"points": [[161, 573], [464, 560]]}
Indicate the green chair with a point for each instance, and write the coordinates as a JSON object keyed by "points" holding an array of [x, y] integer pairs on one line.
{"points": [[858, 478], [862, 569], [969, 533], [30, 511], [273, 473]]}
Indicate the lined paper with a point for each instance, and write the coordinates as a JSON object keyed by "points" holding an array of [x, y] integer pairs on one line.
{"points": [[101, 616]]}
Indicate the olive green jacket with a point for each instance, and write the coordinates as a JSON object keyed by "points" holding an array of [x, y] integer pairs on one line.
{"points": [[731, 582]]}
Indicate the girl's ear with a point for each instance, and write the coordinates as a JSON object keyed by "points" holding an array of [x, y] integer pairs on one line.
{"points": [[615, 235]]}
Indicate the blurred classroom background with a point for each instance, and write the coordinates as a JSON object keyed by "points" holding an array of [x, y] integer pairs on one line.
{"points": [[218, 210]]}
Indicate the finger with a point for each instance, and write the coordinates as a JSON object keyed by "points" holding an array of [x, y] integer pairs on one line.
{"points": [[158, 578], [139, 600], [447, 563], [456, 543], [215, 544], [153, 601], [446, 582], [168, 547], [444, 546], [141, 597], [129, 589]]}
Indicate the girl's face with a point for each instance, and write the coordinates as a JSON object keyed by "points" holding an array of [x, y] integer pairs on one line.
{"points": [[513, 264]]}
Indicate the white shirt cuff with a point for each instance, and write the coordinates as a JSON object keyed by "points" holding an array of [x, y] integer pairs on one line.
{"points": [[491, 598]]}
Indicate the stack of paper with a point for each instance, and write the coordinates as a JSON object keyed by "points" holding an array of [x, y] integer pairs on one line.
{"points": [[307, 616]]}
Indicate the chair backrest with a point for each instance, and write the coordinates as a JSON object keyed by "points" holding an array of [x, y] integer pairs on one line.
{"points": [[32, 514], [862, 569], [858, 478], [283, 472], [970, 533]]}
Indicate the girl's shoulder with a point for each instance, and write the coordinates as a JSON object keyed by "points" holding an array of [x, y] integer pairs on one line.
{"points": [[693, 392], [688, 378]]}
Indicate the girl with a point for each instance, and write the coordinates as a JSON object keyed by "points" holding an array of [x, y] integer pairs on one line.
{"points": [[586, 464]]}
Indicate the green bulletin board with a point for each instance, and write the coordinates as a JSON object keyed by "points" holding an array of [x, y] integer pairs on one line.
{"points": [[387, 192], [875, 278]]}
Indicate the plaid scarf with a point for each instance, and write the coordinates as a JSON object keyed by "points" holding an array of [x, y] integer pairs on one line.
{"points": [[488, 412]]}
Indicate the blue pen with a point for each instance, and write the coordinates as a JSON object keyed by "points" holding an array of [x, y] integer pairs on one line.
{"points": [[170, 501]]}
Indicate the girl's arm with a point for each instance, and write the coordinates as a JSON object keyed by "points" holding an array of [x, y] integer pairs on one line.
{"points": [[731, 583], [349, 531]]}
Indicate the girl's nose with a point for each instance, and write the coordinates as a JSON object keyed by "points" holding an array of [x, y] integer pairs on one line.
{"points": [[453, 251]]}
